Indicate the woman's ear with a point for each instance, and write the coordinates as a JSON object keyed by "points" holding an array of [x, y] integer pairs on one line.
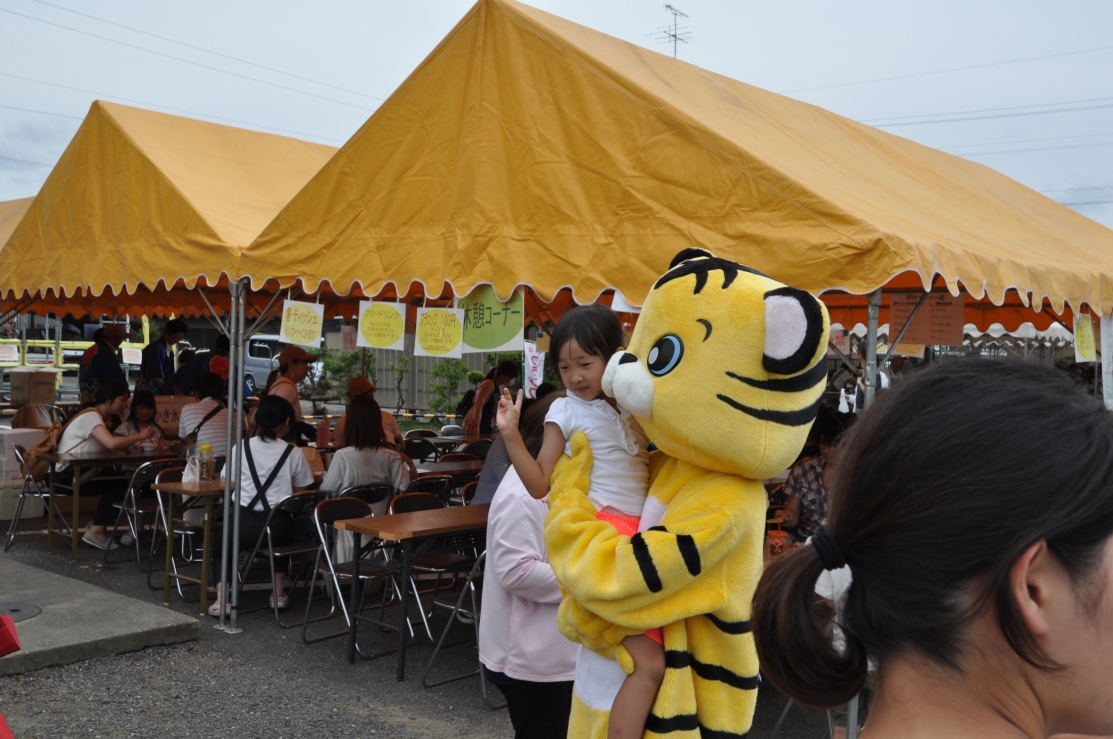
{"points": [[1030, 579]]}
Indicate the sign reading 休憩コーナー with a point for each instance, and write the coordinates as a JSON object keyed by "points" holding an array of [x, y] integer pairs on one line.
{"points": [[302, 323], [491, 325], [440, 332], [381, 325]]}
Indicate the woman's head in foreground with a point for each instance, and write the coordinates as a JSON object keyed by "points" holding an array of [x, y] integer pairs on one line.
{"points": [[973, 506]]}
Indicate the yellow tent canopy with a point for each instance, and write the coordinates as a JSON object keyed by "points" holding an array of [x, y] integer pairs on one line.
{"points": [[10, 213], [142, 201], [527, 149]]}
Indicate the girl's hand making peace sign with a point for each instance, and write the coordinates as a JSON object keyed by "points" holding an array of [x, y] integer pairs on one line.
{"points": [[509, 411]]}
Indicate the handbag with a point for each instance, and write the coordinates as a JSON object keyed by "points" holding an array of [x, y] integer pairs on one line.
{"points": [[39, 468]]}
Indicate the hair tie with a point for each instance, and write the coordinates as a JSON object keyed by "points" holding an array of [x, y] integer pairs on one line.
{"points": [[828, 549]]}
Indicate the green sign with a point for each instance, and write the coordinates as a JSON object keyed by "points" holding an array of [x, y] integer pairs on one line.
{"points": [[490, 324]]}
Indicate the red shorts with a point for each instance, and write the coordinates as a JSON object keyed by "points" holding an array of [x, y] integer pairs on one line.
{"points": [[628, 526]]}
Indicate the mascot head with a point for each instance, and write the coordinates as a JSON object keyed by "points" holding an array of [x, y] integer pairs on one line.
{"points": [[725, 367]]}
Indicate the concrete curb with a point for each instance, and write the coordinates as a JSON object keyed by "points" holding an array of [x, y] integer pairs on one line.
{"points": [[81, 621]]}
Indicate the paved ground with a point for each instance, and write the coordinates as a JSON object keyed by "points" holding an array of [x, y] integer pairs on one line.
{"points": [[264, 682]]}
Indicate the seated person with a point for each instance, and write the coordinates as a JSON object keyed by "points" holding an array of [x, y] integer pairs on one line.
{"points": [[807, 490], [282, 471], [140, 419], [208, 416], [366, 459], [361, 387]]}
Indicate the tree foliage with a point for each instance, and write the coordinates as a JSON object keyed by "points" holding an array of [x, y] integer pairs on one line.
{"points": [[449, 375]]}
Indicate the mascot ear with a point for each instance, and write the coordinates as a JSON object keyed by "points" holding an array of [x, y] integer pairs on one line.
{"points": [[793, 327], [690, 253]]}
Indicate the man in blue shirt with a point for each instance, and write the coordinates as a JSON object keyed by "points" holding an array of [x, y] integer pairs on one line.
{"points": [[158, 359]]}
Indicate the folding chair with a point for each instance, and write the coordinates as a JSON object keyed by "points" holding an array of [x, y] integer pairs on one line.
{"points": [[32, 488], [420, 434], [376, 492], [438, 485], [458, 457], [421, 450], [169, 474], [463, 615], [479, 448], [453, 431], [136, 509], [327, 513], [299, 504], [466, 494]]}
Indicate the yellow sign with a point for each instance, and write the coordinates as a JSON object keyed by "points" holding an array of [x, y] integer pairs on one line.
{"points": [[302, 323], [440, 332], [381, 325], [1084, 349]]}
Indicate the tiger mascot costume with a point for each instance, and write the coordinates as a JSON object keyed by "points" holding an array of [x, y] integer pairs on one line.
{"points": [[724, 415]]}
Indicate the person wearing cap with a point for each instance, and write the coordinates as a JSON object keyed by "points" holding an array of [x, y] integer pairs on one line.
{"points": [[293, 367], [361, 387], [104, 365]]}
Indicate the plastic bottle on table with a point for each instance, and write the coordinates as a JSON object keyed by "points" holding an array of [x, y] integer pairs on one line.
{"points": [[206, 454]]}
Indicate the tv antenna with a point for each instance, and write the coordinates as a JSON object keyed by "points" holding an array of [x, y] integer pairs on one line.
{"points": [[675, 33]]}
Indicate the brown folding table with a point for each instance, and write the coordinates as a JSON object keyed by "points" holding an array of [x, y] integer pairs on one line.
{"points": [[209, 490], [85, 465], [417, 533]]}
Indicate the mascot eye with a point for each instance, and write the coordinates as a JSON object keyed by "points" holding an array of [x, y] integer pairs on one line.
{"points": [[665, 355]]}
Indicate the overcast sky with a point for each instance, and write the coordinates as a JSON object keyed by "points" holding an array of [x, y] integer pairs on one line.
{"points": [[1023, 87]]}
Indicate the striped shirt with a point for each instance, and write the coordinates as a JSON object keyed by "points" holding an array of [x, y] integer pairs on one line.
{"points": [[215, 429]]}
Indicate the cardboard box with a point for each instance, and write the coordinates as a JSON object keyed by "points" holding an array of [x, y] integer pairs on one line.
{"points": [[27, 438], [168, 410], [33, 386], [9, 494]]}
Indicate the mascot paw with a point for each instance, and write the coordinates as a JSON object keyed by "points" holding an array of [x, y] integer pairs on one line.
{"points": [[625, 661], [572, 472]]}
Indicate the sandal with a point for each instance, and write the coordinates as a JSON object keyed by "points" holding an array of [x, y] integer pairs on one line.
{"points": [[214, 610], [283, 600]]}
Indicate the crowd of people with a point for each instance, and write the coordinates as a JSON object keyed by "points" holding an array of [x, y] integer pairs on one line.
{"points": [[925, 526]]}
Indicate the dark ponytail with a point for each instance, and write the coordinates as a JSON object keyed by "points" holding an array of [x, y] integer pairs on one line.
{"points": [[940, 487]]}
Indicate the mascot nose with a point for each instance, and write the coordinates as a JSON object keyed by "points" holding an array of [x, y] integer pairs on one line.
{"points": [[627, 358]]}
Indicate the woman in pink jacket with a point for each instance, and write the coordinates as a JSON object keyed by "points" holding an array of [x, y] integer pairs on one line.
{"points": [[521, 649]]}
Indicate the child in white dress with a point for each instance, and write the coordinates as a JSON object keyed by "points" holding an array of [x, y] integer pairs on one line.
{"points": [[582, 344]]}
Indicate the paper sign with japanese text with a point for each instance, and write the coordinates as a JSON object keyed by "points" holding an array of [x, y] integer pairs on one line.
{"points": [[1085, 348], [939, 321], [348, 338], [302, 323], [534, 369], [381, 325], [168, 411], [491, 325], [440, 332]]}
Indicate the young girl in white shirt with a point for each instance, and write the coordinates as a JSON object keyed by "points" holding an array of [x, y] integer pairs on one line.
{"points": [[582, 344]]}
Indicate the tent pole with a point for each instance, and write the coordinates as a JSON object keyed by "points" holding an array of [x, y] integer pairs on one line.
{"points": [[1106, 324], [238, 371], [893, 342], [871, 346], [229, 440]]}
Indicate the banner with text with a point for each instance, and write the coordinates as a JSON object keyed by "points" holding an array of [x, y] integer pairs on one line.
{"points": [[534, 369], [381, 325], [491, 325], [440, 332], [302, 323], [939, 321]]}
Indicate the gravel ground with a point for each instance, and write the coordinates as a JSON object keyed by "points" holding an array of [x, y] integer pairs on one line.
{"points": [[262, 683]]}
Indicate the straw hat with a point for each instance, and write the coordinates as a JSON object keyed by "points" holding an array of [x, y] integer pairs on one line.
{"points": [[359, 386], [290, 353]]}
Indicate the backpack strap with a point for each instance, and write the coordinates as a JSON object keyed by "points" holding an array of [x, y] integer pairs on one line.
{"points": [[261, 488], [66, 425], [205, 420]]}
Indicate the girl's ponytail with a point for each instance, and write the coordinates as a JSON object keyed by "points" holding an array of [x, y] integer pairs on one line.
{"points": [[793, 628]]}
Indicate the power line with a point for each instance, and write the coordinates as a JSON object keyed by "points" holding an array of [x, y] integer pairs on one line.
{"points": [[986, 110], [187, 61], [42, 112], [1025, 141], [952, 69], [207, 51], [164, 107], [994, 117], [25, 161], [1077, 189], [1041, 148], [1091, 202]]}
